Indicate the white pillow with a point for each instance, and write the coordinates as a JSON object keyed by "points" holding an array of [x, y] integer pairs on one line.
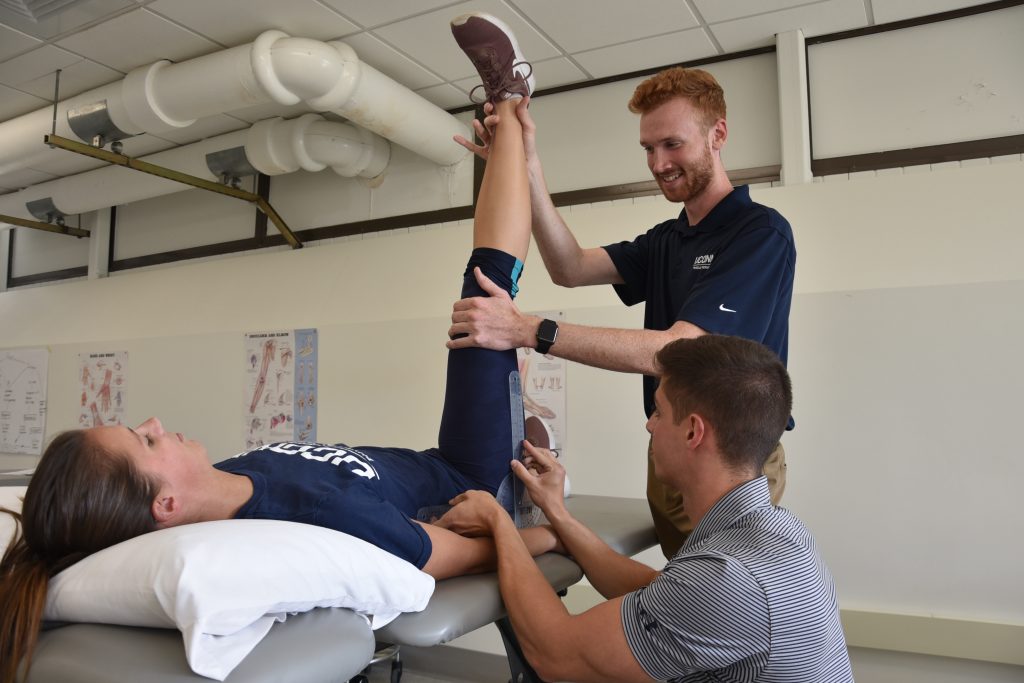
{"points": [[224, 584], [10, 498]]}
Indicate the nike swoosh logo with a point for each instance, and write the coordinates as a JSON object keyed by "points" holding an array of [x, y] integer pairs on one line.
{"points": [[722, 307]]}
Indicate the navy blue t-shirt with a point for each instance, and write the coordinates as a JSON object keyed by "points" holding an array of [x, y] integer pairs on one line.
{"points": [[368, 492], [732, 273]]}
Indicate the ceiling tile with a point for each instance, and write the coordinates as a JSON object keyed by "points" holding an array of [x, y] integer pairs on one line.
{"points": [[14, 103], [714, 11], [235, 22], [442, 55], [137, 38], [74, 79], [43, 61], [554, 72], [371, 13], [818, 19], [895, 10], [12, 42], [674, 48], [575, 25], [70, 19], [390, 61]]}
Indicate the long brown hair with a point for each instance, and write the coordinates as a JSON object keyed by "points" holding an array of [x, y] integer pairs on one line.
{"points": [[80, 499]]}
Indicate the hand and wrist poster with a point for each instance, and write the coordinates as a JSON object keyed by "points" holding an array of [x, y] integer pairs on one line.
{"points": [[103, 377], [280, 388]]}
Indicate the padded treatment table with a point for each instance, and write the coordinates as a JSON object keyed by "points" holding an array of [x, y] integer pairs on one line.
{"points": [[328, 645], [332, 644]]}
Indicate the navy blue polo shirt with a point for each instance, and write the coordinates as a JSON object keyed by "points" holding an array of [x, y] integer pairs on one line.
{"points": [[732, 273]]}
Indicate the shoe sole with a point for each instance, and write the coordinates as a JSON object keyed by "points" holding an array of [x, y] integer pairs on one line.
{"points": [[538, 433]]}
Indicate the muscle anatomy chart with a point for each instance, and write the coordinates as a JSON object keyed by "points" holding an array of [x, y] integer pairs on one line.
{"points": [[23, 400], [280, 389], [543, 379], [103, 378]]}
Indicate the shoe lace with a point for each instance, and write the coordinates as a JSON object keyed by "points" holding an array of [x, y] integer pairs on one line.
{"points": [[494, 75]]}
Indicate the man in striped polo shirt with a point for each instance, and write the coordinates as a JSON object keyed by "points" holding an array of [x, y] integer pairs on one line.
{"points": [[747, 597]]}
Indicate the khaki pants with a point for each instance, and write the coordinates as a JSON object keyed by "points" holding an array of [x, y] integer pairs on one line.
{"points": [[673, 525]]}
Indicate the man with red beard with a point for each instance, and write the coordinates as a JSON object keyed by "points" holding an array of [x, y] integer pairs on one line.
{"points": [[725, 265]]}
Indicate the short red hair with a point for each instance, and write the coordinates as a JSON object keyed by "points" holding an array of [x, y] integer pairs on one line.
{"points": [[695, 85]]}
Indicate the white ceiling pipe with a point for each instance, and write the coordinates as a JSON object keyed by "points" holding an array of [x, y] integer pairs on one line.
{"points": [[275, 67], [309, 142], [323, 143]]}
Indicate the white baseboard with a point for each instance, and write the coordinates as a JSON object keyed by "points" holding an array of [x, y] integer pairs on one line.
{"points": [[943, 637]]}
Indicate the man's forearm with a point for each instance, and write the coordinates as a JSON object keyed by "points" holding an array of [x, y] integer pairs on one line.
{"points": [[611, 573], [533, 607], [614, 348]]}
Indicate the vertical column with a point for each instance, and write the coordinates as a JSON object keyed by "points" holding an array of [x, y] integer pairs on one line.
{"points": [[794, 112], [5, 256], [98, 224]]}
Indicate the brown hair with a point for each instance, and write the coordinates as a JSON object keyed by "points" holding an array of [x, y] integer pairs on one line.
{"points": [[80, 499], [738, 386], [695, 85]]}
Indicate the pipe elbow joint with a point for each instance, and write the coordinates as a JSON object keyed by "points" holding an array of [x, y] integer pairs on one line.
{"points": [[371, 161], [293, 70], [345, 83]]}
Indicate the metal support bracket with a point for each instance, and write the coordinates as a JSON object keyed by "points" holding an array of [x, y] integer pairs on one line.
{"points": [[177, 176], [230, 165], [48, 227], [92, 122]]}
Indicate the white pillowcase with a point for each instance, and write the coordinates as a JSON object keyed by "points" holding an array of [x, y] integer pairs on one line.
{"points": [[10, 498], [225, 583]]}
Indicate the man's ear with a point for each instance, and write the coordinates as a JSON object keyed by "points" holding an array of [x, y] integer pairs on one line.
{"points": [[165, 510], [695, 430], [717, 134]]}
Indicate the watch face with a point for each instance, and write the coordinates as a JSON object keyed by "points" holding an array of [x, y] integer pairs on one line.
{"points": [[547, 332]]}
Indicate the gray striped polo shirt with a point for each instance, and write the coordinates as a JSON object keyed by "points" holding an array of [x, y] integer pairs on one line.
{"points": [[747, 598]]}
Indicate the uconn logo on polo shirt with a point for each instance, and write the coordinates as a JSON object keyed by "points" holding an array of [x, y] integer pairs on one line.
{"points": [[703, 262]]}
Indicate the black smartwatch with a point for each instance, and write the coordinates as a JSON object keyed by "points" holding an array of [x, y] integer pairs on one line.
{"points": [[547, 333]]}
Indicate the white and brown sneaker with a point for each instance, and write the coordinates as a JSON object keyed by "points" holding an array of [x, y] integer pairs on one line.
{"points": [[493, 49]]}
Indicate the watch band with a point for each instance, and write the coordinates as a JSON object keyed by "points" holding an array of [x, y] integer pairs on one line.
{"points": [[547, 333]]}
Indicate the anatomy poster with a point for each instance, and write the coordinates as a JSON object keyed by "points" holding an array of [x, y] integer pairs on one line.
{"points": [[543, 379], [104, 379], [280, 388], [23, 400], [305, 385]]}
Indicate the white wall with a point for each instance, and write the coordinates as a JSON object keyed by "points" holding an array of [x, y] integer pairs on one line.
{"points": [[905, 329]]}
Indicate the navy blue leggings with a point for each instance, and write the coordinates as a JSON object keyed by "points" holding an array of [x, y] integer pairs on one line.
{"points": [[476, 425]]}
